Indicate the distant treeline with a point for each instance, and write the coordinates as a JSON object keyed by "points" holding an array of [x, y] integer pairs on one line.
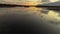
{"points": [[38, 6], [11, 5]]}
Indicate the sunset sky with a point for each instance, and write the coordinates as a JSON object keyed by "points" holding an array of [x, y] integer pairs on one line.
{"points": [[24, 2]]}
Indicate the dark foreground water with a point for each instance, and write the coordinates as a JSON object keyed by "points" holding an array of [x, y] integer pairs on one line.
{"points": [[30, 20]]}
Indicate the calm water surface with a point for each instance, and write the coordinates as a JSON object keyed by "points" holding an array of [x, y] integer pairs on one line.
{"points": [[48, 18]]}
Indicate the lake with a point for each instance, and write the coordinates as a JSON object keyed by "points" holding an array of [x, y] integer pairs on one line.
{"points": [[49, 19]]}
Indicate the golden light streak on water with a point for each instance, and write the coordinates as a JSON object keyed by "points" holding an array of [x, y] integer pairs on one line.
{"points": [[33, 10]]}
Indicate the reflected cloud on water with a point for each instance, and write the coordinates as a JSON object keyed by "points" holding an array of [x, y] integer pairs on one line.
{"points": [[48, 18]]}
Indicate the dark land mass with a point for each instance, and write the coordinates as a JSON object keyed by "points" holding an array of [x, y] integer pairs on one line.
{"points": [[11, 5], [56, 8], [51, 6]]}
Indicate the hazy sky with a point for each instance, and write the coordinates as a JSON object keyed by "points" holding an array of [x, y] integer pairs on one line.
{"points": [[19, 1], [23, 1]]}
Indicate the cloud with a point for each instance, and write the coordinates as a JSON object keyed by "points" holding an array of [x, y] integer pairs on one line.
{"points": [[18, 1], [11, 1]]}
